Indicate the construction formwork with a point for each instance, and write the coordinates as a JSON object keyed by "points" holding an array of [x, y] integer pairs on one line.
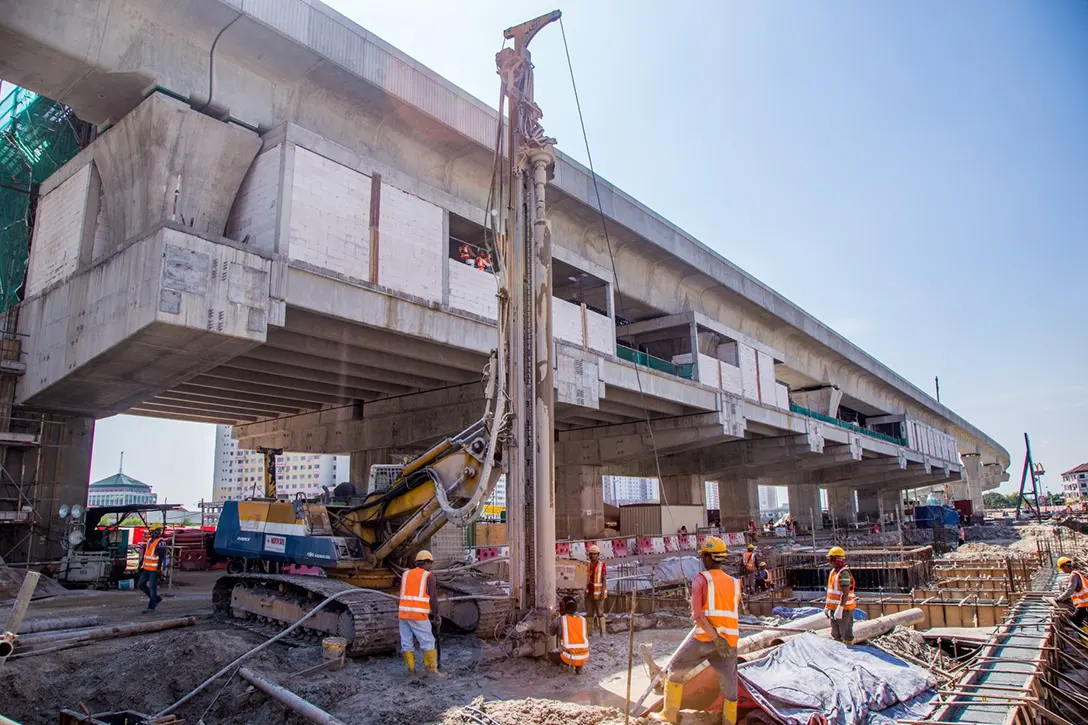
{"points": [[892, 569]]}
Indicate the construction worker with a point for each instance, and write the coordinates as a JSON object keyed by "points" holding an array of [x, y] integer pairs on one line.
{"points": [[467, 254], [152, 559], [751, 563], [963, 536], [1076, 593], [715, 605], [483, 262], [840, 604], [418, 609], [763, 578], [751, 534], [596, 588], [573, 636]]}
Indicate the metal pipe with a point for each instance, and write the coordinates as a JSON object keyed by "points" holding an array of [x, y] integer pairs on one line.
{"points": [[48, 624], [15, 619], [763, 639], [108, 632], [288, 699]]}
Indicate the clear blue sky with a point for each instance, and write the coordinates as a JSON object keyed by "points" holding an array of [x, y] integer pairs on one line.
{"points": [[913, 174]]}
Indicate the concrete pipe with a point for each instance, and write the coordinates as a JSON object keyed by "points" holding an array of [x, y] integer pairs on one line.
{"points": [[108, 632], [288, 699], [50, 624], [874, 627], [763, 639]]}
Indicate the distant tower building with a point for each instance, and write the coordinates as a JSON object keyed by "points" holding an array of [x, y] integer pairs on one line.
{"points": [[239, 473], [1075, 483], [768, 498], [625, 490], [712, 495]]}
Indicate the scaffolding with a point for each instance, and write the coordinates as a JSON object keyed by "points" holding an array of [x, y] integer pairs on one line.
{"points": [[37, 137]]}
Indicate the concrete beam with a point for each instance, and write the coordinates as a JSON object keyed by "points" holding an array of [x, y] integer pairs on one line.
{"points": [[225, 372], [232, 400], [579, 499], [303, 396], [734, 458], [344, 354], [630, 441], [398, 423], [321, 370], [157, 410], [371, 338]]}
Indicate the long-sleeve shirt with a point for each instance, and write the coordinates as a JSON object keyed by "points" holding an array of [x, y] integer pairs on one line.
{"points": [[160, 552], [1071, 588], [432, 592]]}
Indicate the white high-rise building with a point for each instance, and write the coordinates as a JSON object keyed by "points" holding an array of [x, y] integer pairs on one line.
{"points": [[712, 495], [624, 490], [239, 473], [768, 498]]}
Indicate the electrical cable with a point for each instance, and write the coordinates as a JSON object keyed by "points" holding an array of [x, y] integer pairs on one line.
{"points": [[612, 259], [211, 63]]}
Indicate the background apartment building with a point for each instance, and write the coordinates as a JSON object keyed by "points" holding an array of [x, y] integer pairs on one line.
{"points": [[625, 490], [1075, 483], [239, 473]]}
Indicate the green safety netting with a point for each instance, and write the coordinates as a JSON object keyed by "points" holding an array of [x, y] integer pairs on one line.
{"points": [[849, 426], [683, 370], [37, 137]]}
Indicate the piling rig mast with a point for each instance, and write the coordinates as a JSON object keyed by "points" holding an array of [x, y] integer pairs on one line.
{"points": [[524, 251]]}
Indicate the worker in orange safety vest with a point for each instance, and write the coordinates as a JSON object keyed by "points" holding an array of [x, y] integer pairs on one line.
{"points": [[573, 635], [466, 254], [750, 564], [840, 603], [715, 606], [417, 610], [152, 560], [1076, 593], [596, 589]]}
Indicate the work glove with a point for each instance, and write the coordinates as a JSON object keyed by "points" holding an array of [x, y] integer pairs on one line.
{"points": [[838, 612], [827, 613], [722, 646]]}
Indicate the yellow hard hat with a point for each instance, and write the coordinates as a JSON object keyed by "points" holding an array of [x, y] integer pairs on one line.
{"points": [[751, 547], [424, 555], [594, 549], [1062, 561], [763, 563], [836, 553], [713, 546], [154, 527]]}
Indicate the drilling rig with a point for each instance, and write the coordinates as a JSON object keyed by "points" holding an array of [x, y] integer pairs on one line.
{"points": [[362, 544]]}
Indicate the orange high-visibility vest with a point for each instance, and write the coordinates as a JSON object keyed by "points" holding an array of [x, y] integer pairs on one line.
{"points": [[414, 601], [750, 560], [600, 586], [575, 645], [963, 534], [1080, 597], [834, 593], [151, 557], [721, 607], [465, 252]]}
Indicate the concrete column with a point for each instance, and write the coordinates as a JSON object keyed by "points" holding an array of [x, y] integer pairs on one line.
{"points": [[579, 498], [805, 505], [58, 473], [890, 500], [868, 504], [360, 463], [738, 500], [685, 490], [840, 501], [971, 485]]}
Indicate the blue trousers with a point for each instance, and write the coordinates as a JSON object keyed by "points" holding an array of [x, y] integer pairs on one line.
{"points": [[149, 585]]}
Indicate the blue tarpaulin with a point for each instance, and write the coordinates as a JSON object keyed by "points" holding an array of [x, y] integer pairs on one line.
{"points": [[800, 612], [810, 675], [924, 516]]}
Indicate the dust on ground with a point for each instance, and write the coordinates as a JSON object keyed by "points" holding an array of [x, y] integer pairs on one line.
{"points": [[1021, 539], [146, 673]]}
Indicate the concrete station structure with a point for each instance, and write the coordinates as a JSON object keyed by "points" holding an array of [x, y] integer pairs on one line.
{"points": [[264, 232]]}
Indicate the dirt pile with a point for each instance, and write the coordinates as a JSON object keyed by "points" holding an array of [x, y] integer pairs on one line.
{"points": [[11, 579], [533, 711], [976, 551]]}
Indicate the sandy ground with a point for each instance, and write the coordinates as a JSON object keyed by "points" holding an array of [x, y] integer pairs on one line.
{"points": [[1020, 540], [146, 673]]}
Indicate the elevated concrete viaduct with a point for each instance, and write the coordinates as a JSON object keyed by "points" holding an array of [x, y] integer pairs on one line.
{"points": [[266, 231]]}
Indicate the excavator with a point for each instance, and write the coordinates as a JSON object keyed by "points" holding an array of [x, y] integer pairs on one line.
{"points": [[363, 542]]}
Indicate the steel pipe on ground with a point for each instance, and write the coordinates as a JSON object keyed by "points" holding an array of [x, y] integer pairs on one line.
{"points": [[49, 624], [288, 699], [107, 632]]}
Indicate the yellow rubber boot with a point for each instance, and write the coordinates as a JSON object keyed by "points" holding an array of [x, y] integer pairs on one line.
{"points": [[430, 661], [674, 691], [410, 660], [729, 712]]}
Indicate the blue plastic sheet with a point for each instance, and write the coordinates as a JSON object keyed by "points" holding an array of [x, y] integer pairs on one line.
{"points": [[801, 612], [810, 675]]}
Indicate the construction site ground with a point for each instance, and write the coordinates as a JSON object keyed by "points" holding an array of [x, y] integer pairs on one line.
{"points": [[146, 673], [149, 672]]}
